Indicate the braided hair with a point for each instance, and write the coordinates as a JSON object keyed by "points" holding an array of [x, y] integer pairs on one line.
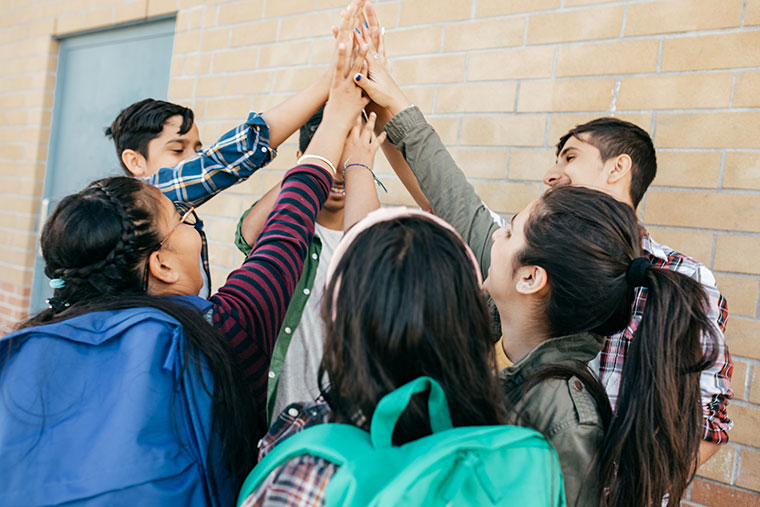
{"points": [[97, 242]]}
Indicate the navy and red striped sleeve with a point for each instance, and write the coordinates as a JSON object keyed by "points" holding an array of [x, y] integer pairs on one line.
{"points": [[250, 308]]}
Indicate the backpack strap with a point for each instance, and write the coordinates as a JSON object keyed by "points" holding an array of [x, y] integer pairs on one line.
{"points": [[336, 443], [393, 404]]}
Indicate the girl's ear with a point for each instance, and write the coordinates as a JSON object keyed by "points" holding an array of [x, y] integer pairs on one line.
{"points": [[531, 280], [161, 270]]}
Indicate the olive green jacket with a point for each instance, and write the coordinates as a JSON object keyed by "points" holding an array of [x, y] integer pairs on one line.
{"points": [[561, 409], [450, 194]]}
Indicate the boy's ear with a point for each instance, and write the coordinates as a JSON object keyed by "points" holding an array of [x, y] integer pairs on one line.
{"points": [[531, 280], [161, 269], [134, 162], [620, 168]]}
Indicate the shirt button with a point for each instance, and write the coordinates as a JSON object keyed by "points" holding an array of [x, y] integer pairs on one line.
{"points": [[292, 412], [314, 256], [271, 374], [288, 330], [578, 385], [264, 149], [306, 291]]}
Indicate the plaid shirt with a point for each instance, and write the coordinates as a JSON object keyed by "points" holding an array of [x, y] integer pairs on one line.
{"points": [[229, 161], [714, 381], [301, 480]]}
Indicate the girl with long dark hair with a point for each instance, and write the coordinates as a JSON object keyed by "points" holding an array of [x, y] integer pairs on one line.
{"points": [[124, 262], [568, 271], [563, 275], [402, 300]]}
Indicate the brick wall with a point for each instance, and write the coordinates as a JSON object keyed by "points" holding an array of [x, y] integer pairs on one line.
{"points": [[501, 81]]}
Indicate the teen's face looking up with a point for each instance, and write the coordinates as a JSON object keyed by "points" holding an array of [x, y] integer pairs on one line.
{"points": [[578, 163], [167, 149], [503, 275], [175, 267]]}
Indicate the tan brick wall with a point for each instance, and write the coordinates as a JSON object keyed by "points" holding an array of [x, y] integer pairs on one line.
{"points": [[500, 80]]}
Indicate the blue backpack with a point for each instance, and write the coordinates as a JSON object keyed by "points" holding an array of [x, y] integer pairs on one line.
{"points": [[478, 465], [101, 410]]}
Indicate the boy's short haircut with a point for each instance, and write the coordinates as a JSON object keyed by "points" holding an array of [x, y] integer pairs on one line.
{"points": [[143, 121], [307, 130], [613, 137]]}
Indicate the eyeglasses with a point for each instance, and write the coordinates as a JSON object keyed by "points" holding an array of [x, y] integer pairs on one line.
{"points": [[188, 218]]}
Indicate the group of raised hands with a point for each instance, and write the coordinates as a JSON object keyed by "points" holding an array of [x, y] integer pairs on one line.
{"points": [[360, 82]]}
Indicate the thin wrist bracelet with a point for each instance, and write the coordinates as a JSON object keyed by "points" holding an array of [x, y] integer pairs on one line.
{"points": [[317, 157], [379, 183]]}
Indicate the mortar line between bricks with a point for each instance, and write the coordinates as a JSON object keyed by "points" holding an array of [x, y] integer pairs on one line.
{"points": [[721, 172], [602, 40], [713, 250], [730, 486]]}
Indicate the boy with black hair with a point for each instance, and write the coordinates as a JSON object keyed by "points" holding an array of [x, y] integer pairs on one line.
{"points": [[159, 142], [619, 158], [293, 371]]}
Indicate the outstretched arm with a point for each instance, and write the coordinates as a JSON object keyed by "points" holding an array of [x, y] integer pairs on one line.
{"points": [[442, 182], [359, 154]]}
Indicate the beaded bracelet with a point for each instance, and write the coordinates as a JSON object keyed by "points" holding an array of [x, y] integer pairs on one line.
{"points": [[380, 183], [317, 157]]}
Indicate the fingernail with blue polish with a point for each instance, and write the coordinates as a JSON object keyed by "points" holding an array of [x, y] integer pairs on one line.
{"points": [[357, 31], [358, 77], [366, 25]]}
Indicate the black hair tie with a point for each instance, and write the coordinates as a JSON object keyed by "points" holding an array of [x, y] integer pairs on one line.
{"points": [[637, 271]]}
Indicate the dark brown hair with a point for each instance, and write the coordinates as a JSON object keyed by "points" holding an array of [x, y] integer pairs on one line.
{"points": [[406, 303], [586, 240], [137, 125], [613, 137], [97, 241]]}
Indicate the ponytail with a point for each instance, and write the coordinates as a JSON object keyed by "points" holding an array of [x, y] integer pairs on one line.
{"points": [[590, 246], [651, 446]]}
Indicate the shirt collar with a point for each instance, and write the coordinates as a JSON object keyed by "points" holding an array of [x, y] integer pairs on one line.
{"points": [[563, 350]]}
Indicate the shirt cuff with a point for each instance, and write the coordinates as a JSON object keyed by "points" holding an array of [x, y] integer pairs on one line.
{"points": [[257, 125], [404, 122], [240, 242]]}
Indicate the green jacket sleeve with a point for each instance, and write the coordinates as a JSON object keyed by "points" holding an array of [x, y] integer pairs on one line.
{"points": [[443, 183], [239, 240]]}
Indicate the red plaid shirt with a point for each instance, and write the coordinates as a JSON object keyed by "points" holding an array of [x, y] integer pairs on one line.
{"points": [[714, 381], [301, 480]]}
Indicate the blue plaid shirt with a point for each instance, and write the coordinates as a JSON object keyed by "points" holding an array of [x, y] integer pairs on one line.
{"points": [[232, 159], [229, 161]]}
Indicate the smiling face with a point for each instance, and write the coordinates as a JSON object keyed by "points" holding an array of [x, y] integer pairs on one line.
{"points": [[170, 147], [578, 163]]}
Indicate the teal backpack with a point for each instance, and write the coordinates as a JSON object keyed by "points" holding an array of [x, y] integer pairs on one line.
{"points": [[476, 465]]}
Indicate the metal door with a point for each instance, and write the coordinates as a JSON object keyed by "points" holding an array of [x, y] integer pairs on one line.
{"points": [[99, 74]]}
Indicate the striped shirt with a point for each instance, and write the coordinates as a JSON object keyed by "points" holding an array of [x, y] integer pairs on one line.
{"points": [[251, 305]]}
